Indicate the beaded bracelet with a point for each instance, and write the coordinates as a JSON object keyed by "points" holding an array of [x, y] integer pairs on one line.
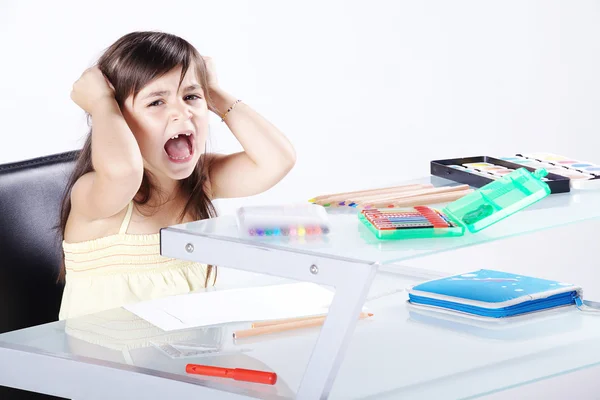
{"points": [[229, 109]]}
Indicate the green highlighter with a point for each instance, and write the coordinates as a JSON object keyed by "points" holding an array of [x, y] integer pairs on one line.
{"points": [[476, 211]]}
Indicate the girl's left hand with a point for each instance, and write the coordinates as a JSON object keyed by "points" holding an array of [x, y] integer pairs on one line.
{"points": [[212, 73]]}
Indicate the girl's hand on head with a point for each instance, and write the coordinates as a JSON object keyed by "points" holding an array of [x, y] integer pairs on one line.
{"points": [[212, 73], [221, 100], [91, 89]]}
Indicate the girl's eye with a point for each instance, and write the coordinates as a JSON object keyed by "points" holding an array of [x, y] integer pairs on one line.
{"points": [[155, 103], [192, 97]]}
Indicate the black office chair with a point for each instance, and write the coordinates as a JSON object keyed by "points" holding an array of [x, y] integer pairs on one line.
{"points": [[30, 249]]}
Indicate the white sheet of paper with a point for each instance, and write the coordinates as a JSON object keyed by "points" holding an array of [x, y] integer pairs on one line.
{"points": [[235, 305]]}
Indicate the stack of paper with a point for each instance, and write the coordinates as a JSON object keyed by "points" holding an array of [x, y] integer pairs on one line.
{"points": [[236, 305]]}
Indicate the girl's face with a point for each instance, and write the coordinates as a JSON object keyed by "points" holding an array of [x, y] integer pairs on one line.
{"points": [[170, 123]]}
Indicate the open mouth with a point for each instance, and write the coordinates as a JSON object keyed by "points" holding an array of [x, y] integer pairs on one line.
{"points": [[180, 147]]}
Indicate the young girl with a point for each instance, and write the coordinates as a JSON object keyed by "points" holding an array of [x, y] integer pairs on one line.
{"points": [[144, 167]]}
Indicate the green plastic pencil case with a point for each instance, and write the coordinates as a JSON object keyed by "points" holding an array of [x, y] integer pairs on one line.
{"points": [[474, 212]]}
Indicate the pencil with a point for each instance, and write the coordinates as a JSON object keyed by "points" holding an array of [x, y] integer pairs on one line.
{"points": [[344, 196], [335, 201], [356, 200], [346, 200], [375, 196], [422, 192], [420, 200], [357, 192], [288, 320], [266, 330]]}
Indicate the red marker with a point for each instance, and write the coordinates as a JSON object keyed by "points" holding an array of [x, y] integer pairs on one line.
{"points": [[239, 374]]}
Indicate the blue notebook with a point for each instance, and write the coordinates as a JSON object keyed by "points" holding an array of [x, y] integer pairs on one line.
{"points": [[494, 294]]}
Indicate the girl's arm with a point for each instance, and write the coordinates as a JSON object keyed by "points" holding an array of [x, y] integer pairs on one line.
{"points": [[116, 158], [267, 157]]}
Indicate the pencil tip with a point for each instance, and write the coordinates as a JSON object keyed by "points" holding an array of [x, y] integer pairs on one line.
{"points": [[312, 200], [370, 314]]}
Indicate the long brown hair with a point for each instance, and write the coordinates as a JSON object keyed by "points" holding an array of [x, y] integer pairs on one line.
{"points": [[131, 63]]}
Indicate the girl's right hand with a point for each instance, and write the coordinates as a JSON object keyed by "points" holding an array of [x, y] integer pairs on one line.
{"points": [[91, 89]]}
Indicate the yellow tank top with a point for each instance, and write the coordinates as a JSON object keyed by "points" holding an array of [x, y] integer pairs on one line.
{"points": [[120, 269]]}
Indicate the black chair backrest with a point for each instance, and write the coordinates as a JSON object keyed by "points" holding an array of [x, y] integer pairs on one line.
{"points": [[30, 249]]}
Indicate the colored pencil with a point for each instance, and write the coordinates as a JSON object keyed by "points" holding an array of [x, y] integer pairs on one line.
{"points": [[339, 197], [354, 199], [422, 192], [288, 320], [282, 327], [358, 198], [420, 200], [375, 190], [345, 200]]}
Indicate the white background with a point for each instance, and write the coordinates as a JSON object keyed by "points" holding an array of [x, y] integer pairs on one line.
{"points": [[368, 92]]}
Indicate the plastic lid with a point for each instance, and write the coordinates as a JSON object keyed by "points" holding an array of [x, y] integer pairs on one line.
{"points": [[499, 199]]}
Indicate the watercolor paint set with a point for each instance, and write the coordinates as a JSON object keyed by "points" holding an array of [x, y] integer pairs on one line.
{"points": [[479, 171], [305, 220], [582, 174], [474, 212]]}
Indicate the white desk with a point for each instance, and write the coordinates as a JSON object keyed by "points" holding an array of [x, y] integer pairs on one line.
{"points": [[399, 353]]}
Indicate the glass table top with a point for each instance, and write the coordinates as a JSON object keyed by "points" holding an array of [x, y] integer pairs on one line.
{"points": [[351, 240], [400, 352]]}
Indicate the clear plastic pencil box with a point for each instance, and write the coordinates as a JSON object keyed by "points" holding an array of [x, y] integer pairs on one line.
{"points": [[475, 211], [283, 220]]}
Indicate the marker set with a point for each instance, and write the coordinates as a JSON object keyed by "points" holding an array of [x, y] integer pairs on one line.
{"points": [[298, 230], [481, 170], [293, 220], [582, 174]]}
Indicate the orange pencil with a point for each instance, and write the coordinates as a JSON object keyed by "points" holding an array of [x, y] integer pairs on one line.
{"points": [[288, 320], [266, 330]]}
